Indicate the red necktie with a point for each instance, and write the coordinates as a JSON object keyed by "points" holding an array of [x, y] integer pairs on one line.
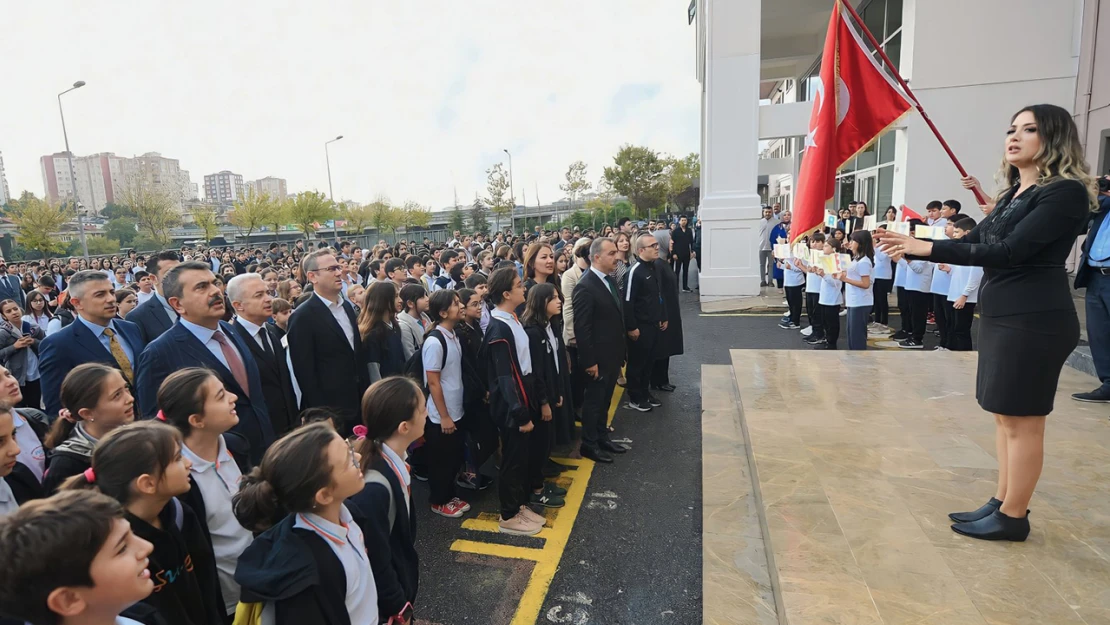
{"points": [[234, 362]]}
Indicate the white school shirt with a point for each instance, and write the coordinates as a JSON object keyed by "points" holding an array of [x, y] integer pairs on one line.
{"points": [[218, 482], [402, 467], [854, 296], [941, 280], [965, 281], [792, 276], [553, 345], [31, 454], [813, 283], [831, 294], [450, 377], [900, 269], [347, 544], [882, 266], [8, 504], [520, 337], [919, 276]]}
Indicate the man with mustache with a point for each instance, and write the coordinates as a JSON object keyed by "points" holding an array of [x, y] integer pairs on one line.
{"points": [[201, 338]]}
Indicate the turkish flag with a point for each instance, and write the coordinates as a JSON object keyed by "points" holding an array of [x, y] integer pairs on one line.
{"points": [[908, 213], [856, 101]]}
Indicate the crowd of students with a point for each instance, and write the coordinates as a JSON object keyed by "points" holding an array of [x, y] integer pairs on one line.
{"points": [[927, 293], [210, 471]]}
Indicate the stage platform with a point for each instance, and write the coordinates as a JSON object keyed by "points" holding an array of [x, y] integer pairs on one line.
{"points": [[854, 461]]}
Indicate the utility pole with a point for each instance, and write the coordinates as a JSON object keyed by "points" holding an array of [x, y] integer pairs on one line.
{"points": [[73, 174]]}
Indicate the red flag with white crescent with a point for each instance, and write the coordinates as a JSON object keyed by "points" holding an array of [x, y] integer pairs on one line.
{"points": [[856, 101]]}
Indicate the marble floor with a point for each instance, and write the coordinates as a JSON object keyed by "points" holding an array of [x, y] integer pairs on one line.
{"points": [[858, 458]]}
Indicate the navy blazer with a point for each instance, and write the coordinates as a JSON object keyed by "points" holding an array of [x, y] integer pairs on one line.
{"points": [[75, 345], [1083, 272], [8, 290], [178, 349], [151, 318]]}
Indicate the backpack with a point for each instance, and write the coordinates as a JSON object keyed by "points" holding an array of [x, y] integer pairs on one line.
{"points": [[373, 476], [414, 366]]}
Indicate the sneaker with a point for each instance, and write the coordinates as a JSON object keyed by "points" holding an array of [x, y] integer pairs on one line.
{"points": [[552, 488], [644, 407], [450, 509], [900, 335], [844, 313], [938, 348], [546, 500], [685, 290], [1100, 395], [910, 344], [655, 403], [808, 330], [462, 505], [473, 481], [930, 319], [420, 473], [787, 325], [814, 341], [533, 516], [519, 526], [880, 331], [823, 346]]}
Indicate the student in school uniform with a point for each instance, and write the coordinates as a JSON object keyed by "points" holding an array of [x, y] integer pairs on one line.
{"points": [[794, 281], [942, 309], [919, 278], [963, 293], [883, 280], [858, 294], [901, 268], [814, 312], [831, 297]]}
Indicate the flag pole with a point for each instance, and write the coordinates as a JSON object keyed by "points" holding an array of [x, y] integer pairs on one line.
{"points": [[917, 104]]}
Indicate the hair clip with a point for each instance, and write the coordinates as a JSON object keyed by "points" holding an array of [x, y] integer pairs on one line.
{"points": [[160, 416], [360, 431], [90, 476]]}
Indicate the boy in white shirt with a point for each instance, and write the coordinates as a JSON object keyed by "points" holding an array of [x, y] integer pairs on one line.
{"points": [[963, 293], [919, 279]]}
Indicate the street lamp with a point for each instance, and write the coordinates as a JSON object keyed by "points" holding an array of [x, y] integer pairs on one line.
{"points": [[512, 192], [328, 158], [72, 173]]}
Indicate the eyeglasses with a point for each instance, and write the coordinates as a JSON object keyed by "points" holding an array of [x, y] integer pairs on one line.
{"points": [[351, 454], [655, 245], [332, 269]]}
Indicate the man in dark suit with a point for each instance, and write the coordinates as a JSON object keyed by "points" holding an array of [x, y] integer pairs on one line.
{"points": [[201, 339], [325, 346], [599, 334], [95, 336], [11, 284], [645, 318], [1094, 275], [252, 301], [155, 316]]}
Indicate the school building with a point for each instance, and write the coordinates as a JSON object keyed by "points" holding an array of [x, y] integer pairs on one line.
{"points": [[970, 64]]}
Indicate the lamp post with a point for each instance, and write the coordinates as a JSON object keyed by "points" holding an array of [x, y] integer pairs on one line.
{"points": [[512, 192], [73, 174], [331, 195]]}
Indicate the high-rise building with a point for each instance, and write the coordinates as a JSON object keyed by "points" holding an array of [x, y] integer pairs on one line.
{"points": [[97, 177], [5, 193], [224, 187], [271, 186], [160, 173]]}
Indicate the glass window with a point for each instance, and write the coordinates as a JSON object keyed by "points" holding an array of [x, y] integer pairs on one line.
{"points": [[886, 146], [886, 189], [869, 157], [845, 191], [893, 16], [893, 49], [874, 17]]}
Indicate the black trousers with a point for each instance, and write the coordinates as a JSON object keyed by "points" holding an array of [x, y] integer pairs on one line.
{"points": [[946, 318], [881, 309], [794, 302], [641, 356], [960, 339], [661, 372], [577, 378], [32, 394], [816, 315], [683, 263], [445, 454], [919, 311], [832, 324], [480, 435], [512, 481], [595, 407], [540, 440], [904, 310]]}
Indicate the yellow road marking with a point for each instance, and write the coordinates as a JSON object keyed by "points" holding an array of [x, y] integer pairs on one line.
{"points": [[556, 537]]}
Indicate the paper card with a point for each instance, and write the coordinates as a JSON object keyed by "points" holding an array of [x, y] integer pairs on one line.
{"points": [[869, 222], [847, 227], [901, 227], [845, 260], [781, 251], [929, 232], [829, 263], [830, 221], [800, 250]]}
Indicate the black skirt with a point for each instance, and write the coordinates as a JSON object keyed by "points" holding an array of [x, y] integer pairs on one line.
{"points": [[1020, 359]]}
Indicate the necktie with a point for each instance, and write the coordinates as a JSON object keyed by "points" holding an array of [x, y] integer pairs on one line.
{"points": [[265, 342], [120, 355], [234, 362], [613, 290]]}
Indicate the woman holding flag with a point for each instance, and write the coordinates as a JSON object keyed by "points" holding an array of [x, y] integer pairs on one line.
{"points": [[1028, 323]]}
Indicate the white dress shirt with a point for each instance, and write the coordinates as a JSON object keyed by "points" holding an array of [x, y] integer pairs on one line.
{"points": [[347, 544], [255, 332], [143, 297], [204, 335], [520, 337], [340, 314]]}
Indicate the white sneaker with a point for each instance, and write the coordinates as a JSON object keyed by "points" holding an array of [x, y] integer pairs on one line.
{"points": [[844, 313], [519, 525], [532, 516], [806, 331]]}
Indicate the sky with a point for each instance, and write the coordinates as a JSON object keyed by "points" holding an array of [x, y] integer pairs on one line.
{"points": [[426, 94]]}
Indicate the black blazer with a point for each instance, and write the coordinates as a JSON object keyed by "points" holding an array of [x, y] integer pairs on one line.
{"points": [[598, 324], [75, 345], [152, 319], [25, 486], [178, 349], [1083, 272], [11, 287], [682, 241], [277, 382], [330, 373]]}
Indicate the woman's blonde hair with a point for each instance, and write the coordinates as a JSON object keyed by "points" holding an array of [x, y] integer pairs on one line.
{"points": [[1060, 157]]}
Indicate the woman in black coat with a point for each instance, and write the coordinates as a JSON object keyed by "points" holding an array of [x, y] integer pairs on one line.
{"points": [[1028, 324], [670, 340]]}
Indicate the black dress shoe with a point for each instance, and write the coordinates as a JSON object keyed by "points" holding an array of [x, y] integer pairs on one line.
{"points": [[986, 510], [597, 455], [997, 526], [612, 447], [666, 388], [1100, 395]]}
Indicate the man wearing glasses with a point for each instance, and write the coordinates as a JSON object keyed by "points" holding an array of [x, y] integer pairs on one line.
{"points": [[645, 317], [324, 344]]}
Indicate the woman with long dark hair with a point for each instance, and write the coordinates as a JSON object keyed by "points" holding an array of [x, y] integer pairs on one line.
{"points": [[1028, 324], [381, 336]]}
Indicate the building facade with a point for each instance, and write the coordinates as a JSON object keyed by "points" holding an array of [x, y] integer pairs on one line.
{"points": [[276, 188], [759, 66], [224, 187], [5, 192], [98, 178]]}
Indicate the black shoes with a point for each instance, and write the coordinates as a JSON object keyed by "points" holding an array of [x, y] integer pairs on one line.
{"points": [[612, 447], [655, 403], [997, 526], [666, 388], [597, 455], [900, 335], [1100, 395], [985, 511]]}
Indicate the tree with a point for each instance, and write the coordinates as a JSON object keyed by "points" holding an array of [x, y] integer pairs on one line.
{"points": [[358, 217], [36, 221], [122, 229], [379, 211], [112, 211], [679, 175], [99, 246], [576, 182], [251, 213], [204, 216], [415, 215], [277, 214], [310, 209], [457, 221], [155, 208], [637, 173], [478, 220], [499, 195]]}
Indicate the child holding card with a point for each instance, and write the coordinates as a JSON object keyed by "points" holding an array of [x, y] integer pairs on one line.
{"points": [[963, 293], [830, 299], [858, 294], [795, 281], [883, 279], [813, 293], [919, 279]]}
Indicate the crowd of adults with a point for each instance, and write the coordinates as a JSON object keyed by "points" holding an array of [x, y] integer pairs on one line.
{"points": [[509, 339]]}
